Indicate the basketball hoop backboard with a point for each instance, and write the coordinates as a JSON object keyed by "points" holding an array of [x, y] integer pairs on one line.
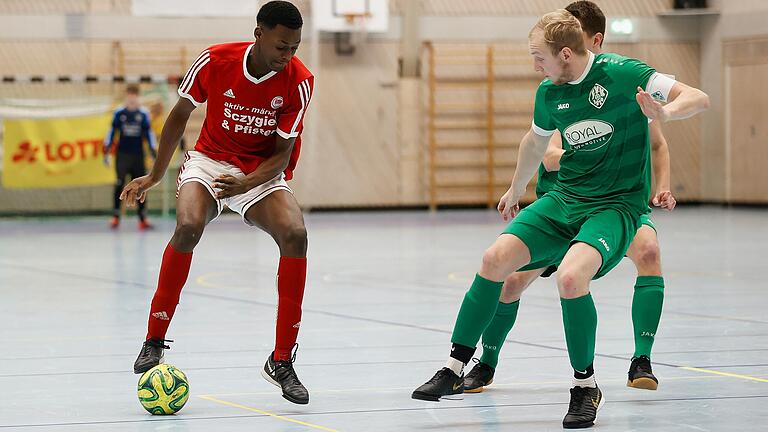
{"points": [[351, 16]]}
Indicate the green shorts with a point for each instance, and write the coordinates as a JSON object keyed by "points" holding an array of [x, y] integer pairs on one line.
{"points": [[645, 219], [550, 226]]}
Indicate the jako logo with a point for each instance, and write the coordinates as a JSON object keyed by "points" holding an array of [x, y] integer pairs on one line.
{"points": [[563, 106], [588, 135], [602, 240]]}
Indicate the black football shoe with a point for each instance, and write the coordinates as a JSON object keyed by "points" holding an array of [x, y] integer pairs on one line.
{"points": [[444, 385], [640, 374], [478, 378], [282, 374], [151, 355], [582, 411]]}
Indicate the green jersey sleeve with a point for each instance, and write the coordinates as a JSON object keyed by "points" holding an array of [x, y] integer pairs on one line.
{"points": [[543, 125], [635, 72]]}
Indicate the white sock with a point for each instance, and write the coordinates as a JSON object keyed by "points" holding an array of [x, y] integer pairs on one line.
{"points": [[586, 382], [455, 365]]}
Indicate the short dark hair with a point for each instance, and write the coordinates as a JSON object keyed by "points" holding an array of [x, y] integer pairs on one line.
{"points": [[276, 13], [132, 89], [589, 15]]}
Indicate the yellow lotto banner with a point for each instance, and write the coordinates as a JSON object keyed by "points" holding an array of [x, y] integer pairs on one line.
{"points": [[56, 152]]}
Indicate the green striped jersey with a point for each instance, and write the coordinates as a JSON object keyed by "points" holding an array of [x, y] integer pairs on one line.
{"points": [[605, 134]]}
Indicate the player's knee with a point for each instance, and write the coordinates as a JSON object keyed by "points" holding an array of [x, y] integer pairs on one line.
{"points": [[649, 256], [492, 264], [293, 239], [187, 234], [513, 288], [571, 284]]}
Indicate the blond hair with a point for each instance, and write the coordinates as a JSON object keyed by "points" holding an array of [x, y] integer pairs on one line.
{"points": [[561, 29]]}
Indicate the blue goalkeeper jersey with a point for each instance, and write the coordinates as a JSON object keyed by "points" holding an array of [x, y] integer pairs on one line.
{"points": [[133, 128]]}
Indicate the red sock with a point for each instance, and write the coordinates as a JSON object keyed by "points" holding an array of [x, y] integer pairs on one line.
{"points": [[173, 275], [291, 276]]}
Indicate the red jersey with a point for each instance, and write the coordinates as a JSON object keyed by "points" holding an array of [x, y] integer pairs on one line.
{"points": [[244, 112]]}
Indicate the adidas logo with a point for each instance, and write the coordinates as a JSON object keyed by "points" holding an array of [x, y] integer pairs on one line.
{"points": [[297, 325], [161, 316], [229, 93]]}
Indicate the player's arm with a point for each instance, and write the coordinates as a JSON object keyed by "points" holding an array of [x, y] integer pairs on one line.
{"points": [[149, 135], [110, 136], [661, 168], [684, 101], [173, 129], [554, 152], [529, 156], [266, 171]]}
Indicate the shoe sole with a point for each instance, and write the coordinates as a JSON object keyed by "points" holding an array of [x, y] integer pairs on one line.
{"points": [[269, 379], [586, 424], [643, 383], [432, 398], [478, 389]]}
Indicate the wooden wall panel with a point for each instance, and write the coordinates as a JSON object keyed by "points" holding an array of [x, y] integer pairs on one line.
{"points": [[43, 7], [44, 58], [354, 111], [746, 102]]}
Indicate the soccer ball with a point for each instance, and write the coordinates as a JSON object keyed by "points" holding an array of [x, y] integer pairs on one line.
{"points": [[163, 390]]}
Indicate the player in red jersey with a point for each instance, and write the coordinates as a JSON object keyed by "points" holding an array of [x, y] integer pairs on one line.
{"points": [[257, 95]]}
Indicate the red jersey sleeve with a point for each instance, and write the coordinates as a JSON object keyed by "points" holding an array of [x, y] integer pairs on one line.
{"points": [[194, 86], [291, 120]]}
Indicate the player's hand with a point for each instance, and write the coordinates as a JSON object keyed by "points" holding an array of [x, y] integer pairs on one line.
{"points": [[230, 186], [509, 205], [665, 200], [650, 106], [137, 189]]}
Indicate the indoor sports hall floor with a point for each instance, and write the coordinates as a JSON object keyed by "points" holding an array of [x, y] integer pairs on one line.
{"points": [[383, 292]]}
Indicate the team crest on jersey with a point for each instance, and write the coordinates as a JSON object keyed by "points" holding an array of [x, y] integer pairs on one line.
{"points": [[277, 102], [597, 96]]}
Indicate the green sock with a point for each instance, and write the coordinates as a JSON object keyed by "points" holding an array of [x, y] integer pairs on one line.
{"points": [[580, 322], [646, 312], [497, 331], [476, 311]]}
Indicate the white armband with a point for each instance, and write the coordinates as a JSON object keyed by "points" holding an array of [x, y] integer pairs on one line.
{"points": [[541, 132], [659, 85]]}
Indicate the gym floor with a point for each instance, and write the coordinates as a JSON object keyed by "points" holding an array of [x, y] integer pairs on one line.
{"points": [[383, 292]]}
